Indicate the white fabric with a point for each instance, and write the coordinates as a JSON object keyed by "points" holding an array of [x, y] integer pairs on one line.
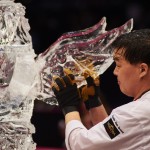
{"points": [[132, 122]]}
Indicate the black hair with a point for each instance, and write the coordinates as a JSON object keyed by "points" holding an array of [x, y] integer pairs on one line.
{"points": [[135, 45]]}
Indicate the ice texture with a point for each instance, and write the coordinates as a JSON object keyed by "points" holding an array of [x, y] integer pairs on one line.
{"points": [[24, 78], [17, 73], [84, 50]]}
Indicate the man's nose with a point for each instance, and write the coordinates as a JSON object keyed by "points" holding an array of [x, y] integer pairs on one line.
{"points": [[115, 72]]}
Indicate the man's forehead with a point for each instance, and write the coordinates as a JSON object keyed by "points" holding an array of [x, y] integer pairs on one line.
{"points": [[118, 54], [117, 57]]}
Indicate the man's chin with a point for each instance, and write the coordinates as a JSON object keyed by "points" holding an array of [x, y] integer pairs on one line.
{"points": [[123, 91]]}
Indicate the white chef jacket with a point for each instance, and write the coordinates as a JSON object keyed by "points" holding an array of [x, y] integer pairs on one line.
{"points": [[127, 128]]}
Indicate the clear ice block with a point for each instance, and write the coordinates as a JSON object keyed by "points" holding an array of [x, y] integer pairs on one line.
{"points": [[17, 73], [85, 50]]}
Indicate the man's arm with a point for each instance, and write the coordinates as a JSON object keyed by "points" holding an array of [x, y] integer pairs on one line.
{"points": [[67, 94], [90, 94], [72, 116], [97, 114]]}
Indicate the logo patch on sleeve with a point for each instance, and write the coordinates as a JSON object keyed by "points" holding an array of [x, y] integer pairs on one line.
{"points": [[111, 129]]}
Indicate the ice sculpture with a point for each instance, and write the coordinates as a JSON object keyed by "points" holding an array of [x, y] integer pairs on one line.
{"points": [[24, 78], [85, 50], [17, 73]]}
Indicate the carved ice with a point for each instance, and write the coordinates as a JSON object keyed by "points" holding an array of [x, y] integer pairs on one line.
{"points": [[88, 49], [23, 79], [17, 73]]}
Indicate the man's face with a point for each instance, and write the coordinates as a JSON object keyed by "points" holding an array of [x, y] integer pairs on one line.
{"points": [[127, 74]]}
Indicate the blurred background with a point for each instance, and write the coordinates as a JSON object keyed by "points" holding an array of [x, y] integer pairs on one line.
{"points": [[48, 20]]}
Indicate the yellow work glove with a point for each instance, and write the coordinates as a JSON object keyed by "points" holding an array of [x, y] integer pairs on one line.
{"points": [[90, 93], [66, 92]]}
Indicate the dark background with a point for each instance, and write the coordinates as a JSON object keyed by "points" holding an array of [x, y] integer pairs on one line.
{"points": [[48, 20]]}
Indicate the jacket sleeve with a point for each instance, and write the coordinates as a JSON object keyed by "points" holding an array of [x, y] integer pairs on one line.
{"points": [[114, 131]]}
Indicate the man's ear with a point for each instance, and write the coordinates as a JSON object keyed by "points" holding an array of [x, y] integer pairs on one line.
{"points": [[143, 69]]}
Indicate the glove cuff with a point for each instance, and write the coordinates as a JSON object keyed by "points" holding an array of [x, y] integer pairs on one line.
{"points": [[92, 102], [68, 109]]}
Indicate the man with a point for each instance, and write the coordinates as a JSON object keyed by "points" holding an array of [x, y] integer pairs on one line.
{"points": [[128, 126]]}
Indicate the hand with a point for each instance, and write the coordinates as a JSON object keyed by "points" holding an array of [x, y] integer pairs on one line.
{"points": [[66, 92], [90, 92]]}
